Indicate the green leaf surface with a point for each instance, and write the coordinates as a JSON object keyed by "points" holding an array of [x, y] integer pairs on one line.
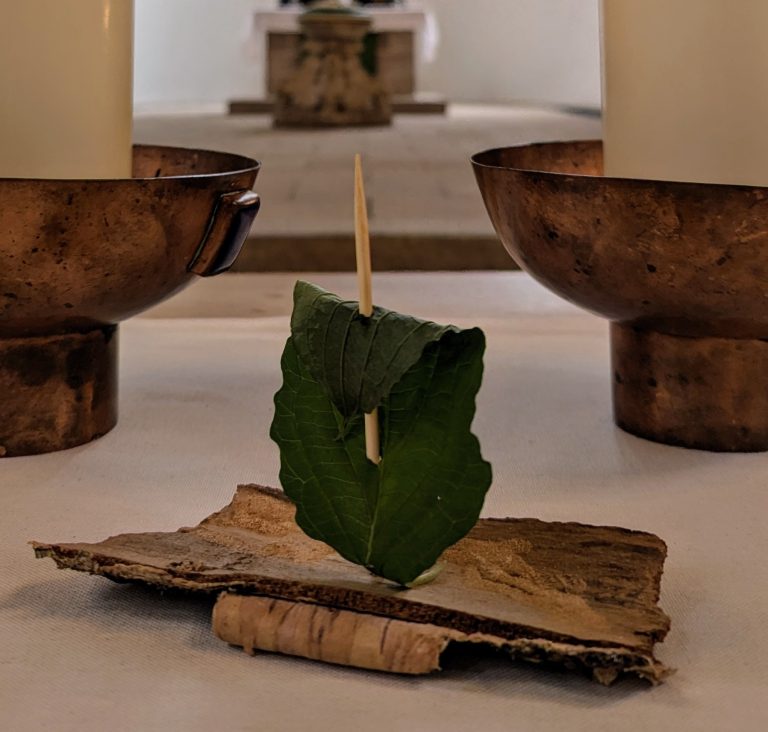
{"points": [[358, 360], [426, 493]]}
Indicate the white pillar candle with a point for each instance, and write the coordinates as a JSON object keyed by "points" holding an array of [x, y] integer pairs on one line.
{"points": [[685, 90], [66, 69]]}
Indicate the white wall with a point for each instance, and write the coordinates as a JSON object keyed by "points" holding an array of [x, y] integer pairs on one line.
{"points": [[193, 52], [513, 50]]}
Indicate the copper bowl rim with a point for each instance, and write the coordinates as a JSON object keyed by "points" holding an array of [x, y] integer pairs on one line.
{"points": [[478, 161], [237, 164]]}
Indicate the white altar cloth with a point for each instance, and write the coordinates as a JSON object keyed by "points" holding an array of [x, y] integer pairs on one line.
{"points": [[78, 653]]}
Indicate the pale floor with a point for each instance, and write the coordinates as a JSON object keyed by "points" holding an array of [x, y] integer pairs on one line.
{"points": [[418, 175]]}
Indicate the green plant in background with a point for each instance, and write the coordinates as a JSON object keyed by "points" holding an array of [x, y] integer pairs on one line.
{"points": [[397, 517]]}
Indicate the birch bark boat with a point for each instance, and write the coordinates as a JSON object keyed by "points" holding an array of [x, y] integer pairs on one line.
{"points": [[575, 596]]}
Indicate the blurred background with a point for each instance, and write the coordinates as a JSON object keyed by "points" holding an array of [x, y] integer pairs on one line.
{"points": [[469, 76]]}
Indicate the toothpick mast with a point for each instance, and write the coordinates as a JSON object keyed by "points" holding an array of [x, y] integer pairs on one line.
{"points": [[363, 256]]}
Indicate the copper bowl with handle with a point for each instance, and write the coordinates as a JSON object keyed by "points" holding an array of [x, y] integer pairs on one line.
{"points": [[79, 256]]}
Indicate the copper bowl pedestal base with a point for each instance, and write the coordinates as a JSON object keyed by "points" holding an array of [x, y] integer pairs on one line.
{"points": [[58, 391], [704, 393]]}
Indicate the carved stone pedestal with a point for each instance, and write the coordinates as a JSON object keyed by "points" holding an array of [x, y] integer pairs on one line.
{"points": [[330, 87]]}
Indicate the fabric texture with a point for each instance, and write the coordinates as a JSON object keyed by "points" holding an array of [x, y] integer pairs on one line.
{"points": [[81, 653]]}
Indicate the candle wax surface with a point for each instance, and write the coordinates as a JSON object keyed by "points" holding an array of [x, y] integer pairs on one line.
{"points": [[685, 90], [66, 69]]}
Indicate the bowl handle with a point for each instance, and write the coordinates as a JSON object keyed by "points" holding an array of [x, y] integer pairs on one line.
{"points": [[225, 234]]}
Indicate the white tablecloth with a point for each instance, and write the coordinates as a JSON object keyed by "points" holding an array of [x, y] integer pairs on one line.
{"points": [[81, 653]]}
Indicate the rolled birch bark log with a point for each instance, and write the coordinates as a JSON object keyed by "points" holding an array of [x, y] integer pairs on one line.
{"points": [[327, 634]]}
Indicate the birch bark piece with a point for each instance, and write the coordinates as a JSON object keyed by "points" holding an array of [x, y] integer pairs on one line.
{"points": [[581, 597], [327, 634]]}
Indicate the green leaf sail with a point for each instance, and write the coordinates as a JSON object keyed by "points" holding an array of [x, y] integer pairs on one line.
{"points": [[358, 360], [398, 517]]}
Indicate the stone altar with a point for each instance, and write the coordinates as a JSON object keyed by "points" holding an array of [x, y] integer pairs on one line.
{"points": [[330, 86]]}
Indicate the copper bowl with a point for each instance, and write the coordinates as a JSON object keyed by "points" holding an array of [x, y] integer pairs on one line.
{"points": [[79, 256], [680, 270]]}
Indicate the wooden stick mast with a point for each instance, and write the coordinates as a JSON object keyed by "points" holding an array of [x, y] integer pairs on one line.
{"points": [[363, 255]]}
